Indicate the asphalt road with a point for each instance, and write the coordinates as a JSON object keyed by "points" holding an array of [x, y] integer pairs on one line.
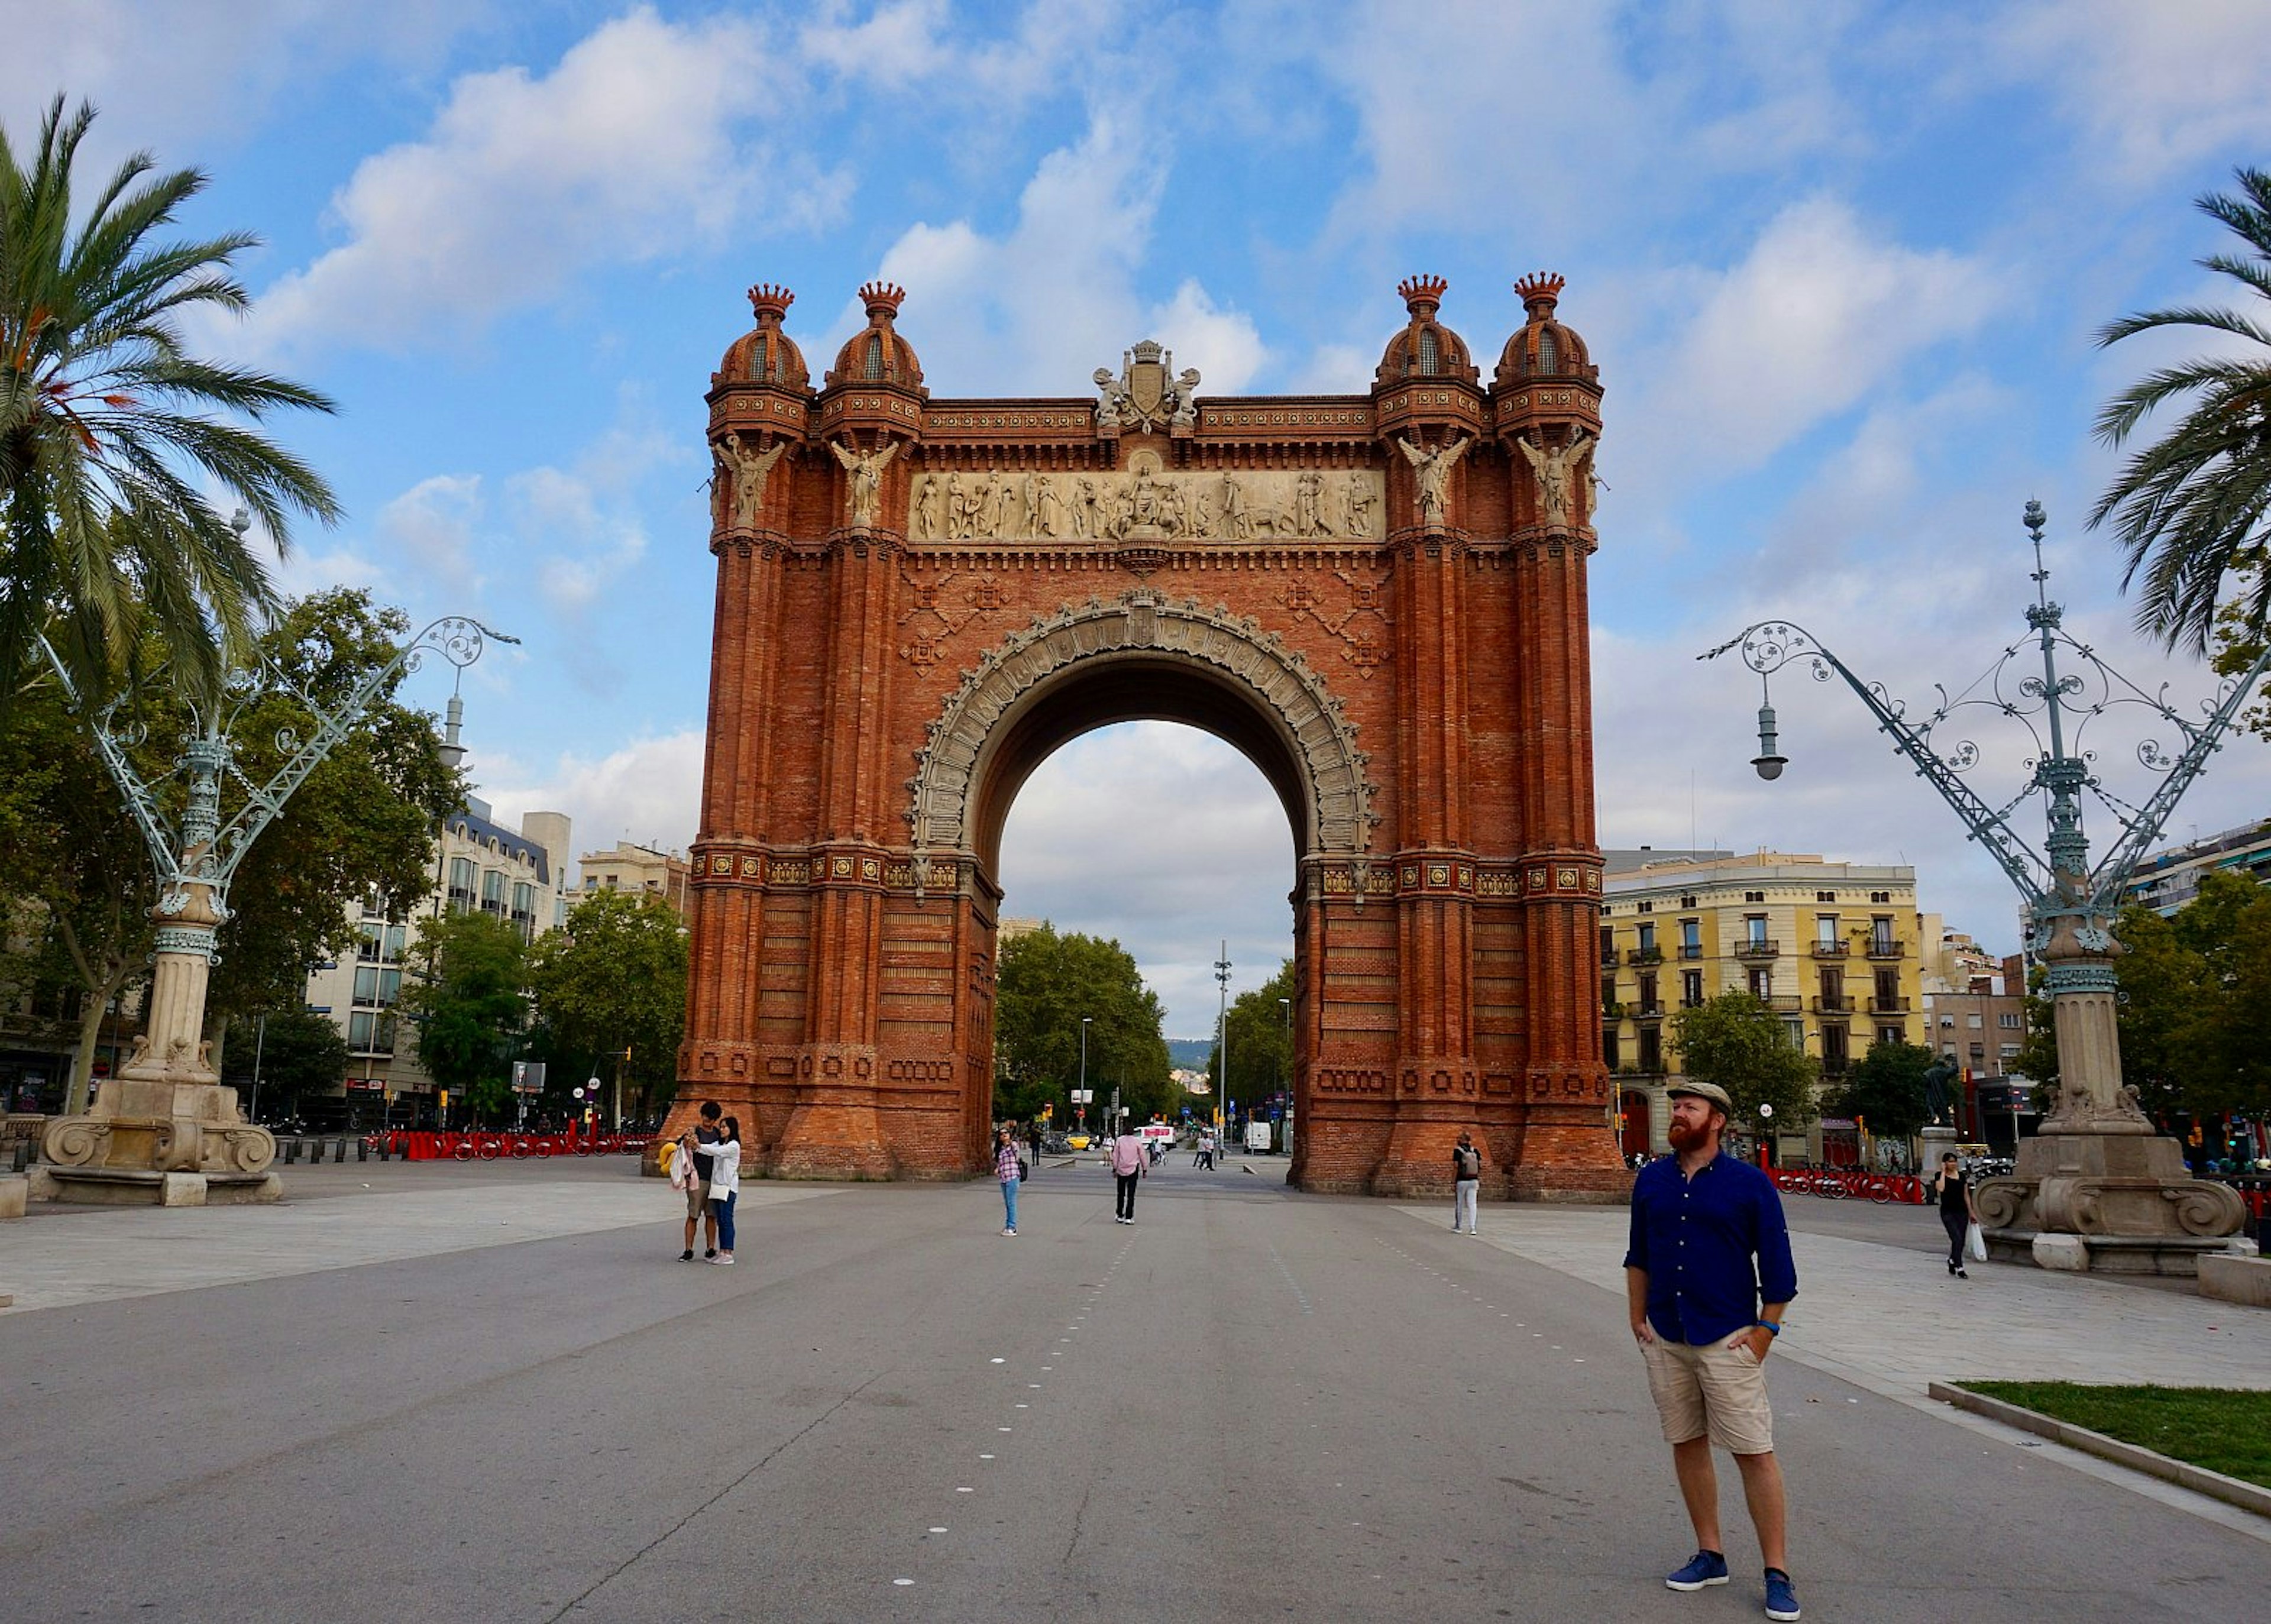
{"points": [[1252, 1405]]}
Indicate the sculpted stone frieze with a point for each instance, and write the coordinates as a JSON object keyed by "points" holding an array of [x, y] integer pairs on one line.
{"points": [[1143, 503]]}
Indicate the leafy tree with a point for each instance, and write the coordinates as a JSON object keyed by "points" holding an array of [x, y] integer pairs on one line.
{"points": [[74, 864], [1260, 1053], [613, 978], [469, 1002], [1046, 984], [300, 1053], [118, 456], [2188, 510], [1737, 1041], [1885, 1089]]}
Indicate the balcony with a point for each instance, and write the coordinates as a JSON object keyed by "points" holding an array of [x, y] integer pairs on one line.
{"points": [[1783, 1003], [1645, 955], [1609, 958], [1831, 950], [1826, 1005], [1882, 1005], [1691, 950], [1834, 1066], [1648, 1012], [1692, 1003], [1883, 947], [1758, 947]]}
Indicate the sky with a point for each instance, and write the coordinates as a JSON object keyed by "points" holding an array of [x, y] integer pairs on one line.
{"points": [[1841, 265]]}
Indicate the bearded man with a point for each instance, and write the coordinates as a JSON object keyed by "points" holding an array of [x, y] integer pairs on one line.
{"points": [[1708, 1276]]}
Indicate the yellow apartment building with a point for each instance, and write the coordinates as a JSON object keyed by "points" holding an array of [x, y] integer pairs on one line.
{"points": [[1833, 948]]}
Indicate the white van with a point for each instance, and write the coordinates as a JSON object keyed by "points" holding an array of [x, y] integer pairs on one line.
{"points": [[1257, 1137]]}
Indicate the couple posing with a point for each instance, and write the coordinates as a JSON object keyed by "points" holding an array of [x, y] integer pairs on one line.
{"points": [[708, 1168]]}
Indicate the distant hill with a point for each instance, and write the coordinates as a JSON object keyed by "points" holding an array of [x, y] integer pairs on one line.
{"points": [[1190, 1054]]}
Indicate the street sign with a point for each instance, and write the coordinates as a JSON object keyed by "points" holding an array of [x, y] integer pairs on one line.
{"points": [[528, 1077]]}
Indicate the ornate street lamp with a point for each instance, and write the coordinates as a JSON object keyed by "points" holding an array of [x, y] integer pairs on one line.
{"points": [[2096, 1187], [164, 1131]]}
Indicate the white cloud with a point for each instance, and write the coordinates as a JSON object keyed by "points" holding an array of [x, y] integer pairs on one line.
{"points": [[435, 524], [1039, 308], [649, 791], [629, 150], [2155, 87]]}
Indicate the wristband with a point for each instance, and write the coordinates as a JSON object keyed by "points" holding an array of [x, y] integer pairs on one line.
{"points": [[1767, 1326]]}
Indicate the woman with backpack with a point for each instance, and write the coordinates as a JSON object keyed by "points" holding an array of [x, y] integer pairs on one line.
{"points": [[725, 1183], [1467, 1183]]}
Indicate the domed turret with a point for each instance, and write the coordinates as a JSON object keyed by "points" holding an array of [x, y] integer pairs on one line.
{"points": [[765, 354], [1541, 348], [876, 353], [1425, 348]]}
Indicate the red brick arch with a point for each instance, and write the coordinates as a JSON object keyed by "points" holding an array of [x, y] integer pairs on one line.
{"points": [[1379, 600]]}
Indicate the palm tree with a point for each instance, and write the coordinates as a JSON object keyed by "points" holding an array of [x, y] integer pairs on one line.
{"points": [[118, 457], [2189, 508]]}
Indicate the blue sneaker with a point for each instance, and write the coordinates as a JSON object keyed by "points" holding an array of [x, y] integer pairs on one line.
{"points": [[1704, 1568], [1782, 1595]]}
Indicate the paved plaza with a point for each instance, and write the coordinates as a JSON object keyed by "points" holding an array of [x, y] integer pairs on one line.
{"points": [[489, 1391]]}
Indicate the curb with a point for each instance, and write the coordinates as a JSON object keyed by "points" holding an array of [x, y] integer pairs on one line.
{"points": [[2233, 1490]]}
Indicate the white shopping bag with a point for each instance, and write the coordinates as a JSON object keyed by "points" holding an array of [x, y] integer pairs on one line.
{"points": [[1975, 1243]]}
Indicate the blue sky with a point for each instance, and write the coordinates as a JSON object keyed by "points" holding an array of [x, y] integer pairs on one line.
{"points": [[1840, 263]]}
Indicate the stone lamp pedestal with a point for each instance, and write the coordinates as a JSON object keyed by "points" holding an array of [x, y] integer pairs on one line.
{"points": [[2098, 1189], [164, 1132]]}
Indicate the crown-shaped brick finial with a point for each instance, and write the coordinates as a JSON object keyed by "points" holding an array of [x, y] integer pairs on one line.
{"points": [[1422, 294], [769, 298], [1539, 292], [882, 299]]}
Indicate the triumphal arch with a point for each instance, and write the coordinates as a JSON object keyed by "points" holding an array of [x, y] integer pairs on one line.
{"points": [[1379, 598]]}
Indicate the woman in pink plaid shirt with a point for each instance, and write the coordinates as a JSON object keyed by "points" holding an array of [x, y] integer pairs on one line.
{"points": [[1005, 1168]]}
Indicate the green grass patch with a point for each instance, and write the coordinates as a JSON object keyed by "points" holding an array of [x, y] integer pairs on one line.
{"points": [[2223, 1429]]}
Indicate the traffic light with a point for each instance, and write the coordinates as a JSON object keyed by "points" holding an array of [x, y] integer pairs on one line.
{"points": [[1048, 1110]]}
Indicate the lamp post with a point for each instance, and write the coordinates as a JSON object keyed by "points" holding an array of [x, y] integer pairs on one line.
{"points": [[1082, 1094], [165, 1130], [1285, 1021], [2097, 1184], [1222, 1054]]}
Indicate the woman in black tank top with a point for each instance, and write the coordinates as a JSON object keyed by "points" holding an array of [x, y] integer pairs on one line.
{"points": [[1953, 1191]]}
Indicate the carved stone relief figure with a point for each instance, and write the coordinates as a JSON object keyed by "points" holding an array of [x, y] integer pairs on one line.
{"points": [[867, 472], [1144, 502], [743, 474], [1553, 471], [1434, 470]]}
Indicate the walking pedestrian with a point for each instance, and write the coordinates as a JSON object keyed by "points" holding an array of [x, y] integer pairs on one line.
{"points": [[1958, 1211], [699, 1161], [1128, 1160], [726, 1184], [1005, 1168], [1709, 1242], [1033, 1142], [1466, 1183]]}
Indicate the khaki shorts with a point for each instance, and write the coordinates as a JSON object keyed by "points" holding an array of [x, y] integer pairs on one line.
{"points": [[697, 1197], [1713, 1390]]}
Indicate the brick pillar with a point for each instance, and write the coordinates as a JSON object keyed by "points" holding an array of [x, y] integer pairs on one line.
{"points": [[1435, 1092]]}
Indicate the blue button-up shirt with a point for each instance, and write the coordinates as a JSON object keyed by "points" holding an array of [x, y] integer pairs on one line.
{"points": [[1696, 1238]]}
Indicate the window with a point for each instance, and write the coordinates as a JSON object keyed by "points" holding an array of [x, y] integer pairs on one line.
{"points": [[1891, 1034], [1691, 989], [2008, 1020], [374, 986], [374, 936], [1835, 1054], [1608, 993], [1644, 907], [1608, 946], [1880, 934], [1880, 897], [1975, 1022], [1687, 901], [492, 891], [369, 1033], [398, 942], [1833, 987], [1824, 930], [1609, 1047], [1755, 896], [1754, 928], [1647, 936], [2010, 1054], [1794, 1034], [461, 884], [1825, 895], [524, 900], [1888, 989], [1651, 1049], [1761, 982], [1691, 939], [1647, 1002], [1979, 1055]]}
